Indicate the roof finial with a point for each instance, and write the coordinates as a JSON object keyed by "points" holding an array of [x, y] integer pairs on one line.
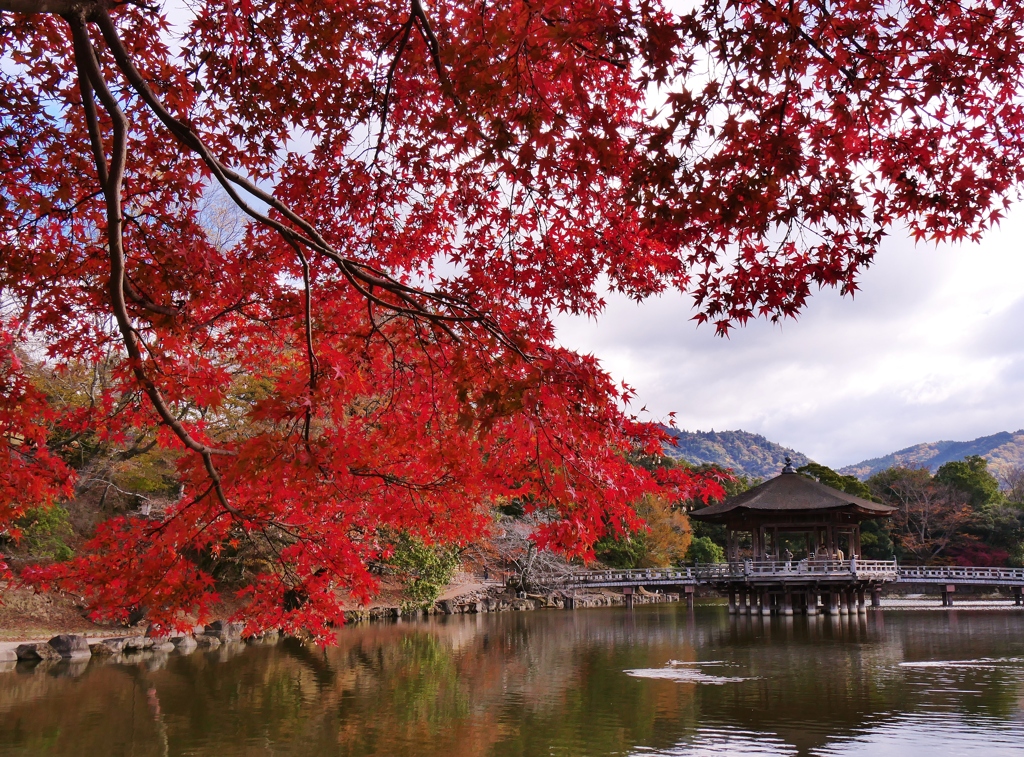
{"points": [[789, 465]]}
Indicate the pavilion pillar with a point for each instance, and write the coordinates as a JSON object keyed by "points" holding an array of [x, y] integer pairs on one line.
{"points": [[833, 598], [732, 600], [766, 602], [841, 601], [742, 609], [860, 600], [812, 602], [787, 602]]}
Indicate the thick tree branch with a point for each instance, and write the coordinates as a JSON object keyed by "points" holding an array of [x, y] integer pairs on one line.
{"points": [[57, 7], [85, 58], [436, 308]]}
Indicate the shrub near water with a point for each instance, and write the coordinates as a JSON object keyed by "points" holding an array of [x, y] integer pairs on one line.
{"points": [[427, 569]]}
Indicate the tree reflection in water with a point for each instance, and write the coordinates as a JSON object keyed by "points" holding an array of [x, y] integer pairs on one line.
{"points": [[548, 683]]}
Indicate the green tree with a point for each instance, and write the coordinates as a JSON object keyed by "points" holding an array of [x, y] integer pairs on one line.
{"points": [[825, 475], [703, 550], [426, 568], [626, 551], [972, 476], [875, 538]]}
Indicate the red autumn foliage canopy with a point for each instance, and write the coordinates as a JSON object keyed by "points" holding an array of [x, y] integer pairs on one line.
{"points": [[423, 187]]}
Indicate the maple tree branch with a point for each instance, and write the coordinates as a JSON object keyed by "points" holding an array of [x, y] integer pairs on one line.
{"points": [[85, 59], [405, 31], [140, 299], [460, 311], [31, 7], [850, 74], [82, 49], [307, 302], [420, 16]]}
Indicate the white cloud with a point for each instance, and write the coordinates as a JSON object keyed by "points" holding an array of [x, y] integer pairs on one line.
{"points": [[930, 348]]}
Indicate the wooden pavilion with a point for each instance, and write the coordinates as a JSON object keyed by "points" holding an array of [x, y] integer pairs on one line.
{"points": [[794, 512], [792, 537]]}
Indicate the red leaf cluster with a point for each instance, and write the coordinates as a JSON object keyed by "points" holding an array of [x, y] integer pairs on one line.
{"points": [[322, 244], [30, 476]]}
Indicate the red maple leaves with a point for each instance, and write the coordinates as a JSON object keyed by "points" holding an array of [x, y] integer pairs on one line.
{"points": [[30, 475], [324, 242]]}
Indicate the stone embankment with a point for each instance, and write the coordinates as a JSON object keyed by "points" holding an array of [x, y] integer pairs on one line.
{"points": [[497, 599], [73, 647], [481, 600]]}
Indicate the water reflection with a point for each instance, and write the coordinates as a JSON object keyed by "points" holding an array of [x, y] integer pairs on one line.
{"points": [[660, 681]]}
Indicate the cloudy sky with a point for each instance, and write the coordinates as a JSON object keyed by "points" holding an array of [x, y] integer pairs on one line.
{"points": [[930, 349]]}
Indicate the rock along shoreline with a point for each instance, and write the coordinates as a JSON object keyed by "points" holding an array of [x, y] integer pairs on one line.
{"points": [[74, 647]]}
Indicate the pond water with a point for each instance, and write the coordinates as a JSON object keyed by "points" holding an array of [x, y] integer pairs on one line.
{"points": [[658, 681]]}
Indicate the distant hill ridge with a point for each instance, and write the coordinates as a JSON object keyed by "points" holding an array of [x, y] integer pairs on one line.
{"points": [[1002, 450], [746, 453], [755, 456]]}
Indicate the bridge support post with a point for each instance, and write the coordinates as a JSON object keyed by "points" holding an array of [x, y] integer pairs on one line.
{"points": [[732, 600], [947, 595], [833, 599], [1018, 599], [841, 601], [860, 600], [787, 602], [569, 603], [851, 601], [628, 593], [876, 596], [688, 592], [744, 607], [812, 602], [766, 602]]}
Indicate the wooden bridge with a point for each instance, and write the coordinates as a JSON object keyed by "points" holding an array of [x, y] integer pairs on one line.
{"points": [[773, 583]]}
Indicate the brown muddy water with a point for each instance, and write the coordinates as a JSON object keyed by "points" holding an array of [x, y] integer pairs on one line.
{"points": [[658, 681]]}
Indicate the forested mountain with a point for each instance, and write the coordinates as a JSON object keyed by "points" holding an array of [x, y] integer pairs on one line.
{"points": [[1000, 450], [746, 453]]}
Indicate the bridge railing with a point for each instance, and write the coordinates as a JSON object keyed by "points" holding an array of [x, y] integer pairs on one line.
{"points": [[953, 573], [687, 574], [861, 569]]}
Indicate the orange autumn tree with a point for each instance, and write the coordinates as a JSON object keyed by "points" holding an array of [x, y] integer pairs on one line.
{"points": [[423, 186]]}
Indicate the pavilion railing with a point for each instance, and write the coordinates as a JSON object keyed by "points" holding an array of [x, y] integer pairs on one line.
{"points": [[822, 567]]}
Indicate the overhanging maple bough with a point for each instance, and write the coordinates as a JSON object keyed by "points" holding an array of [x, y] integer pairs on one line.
{"points": [[527, 158], [440, 310]]}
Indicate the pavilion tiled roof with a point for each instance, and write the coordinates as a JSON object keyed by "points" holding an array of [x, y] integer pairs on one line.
{"points": [[792, 492]]}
